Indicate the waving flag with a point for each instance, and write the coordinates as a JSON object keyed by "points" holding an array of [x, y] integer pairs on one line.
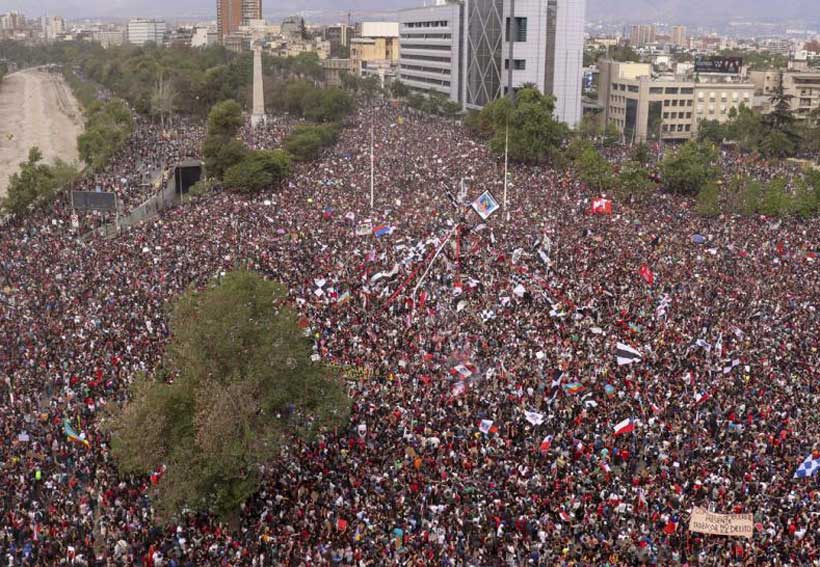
{"points": [[545, 444], [534, 417], [382, 230], [701, 397], [463, 371], [573, 388], [601, 206], [809, 466], [626, 354], [624, 427], [609, 390], [647, 274], [72, 434]]}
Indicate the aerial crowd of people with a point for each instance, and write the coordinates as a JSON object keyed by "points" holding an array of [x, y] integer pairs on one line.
{"points": [[497, 418]]}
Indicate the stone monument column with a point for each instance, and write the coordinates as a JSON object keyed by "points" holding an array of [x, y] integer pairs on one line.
{"points": [[258, 117]]}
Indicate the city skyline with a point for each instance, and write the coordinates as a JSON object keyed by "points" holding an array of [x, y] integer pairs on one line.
{"points": [[692, 12]]}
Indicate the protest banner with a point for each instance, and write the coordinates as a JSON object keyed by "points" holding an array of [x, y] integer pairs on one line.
{"points": [[705, 522]]}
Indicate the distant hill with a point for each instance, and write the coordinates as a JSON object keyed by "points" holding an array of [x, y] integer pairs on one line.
{"points": [[701, 11]]}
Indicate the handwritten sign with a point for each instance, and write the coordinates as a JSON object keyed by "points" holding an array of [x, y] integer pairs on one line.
{"points": [[705, 522]]}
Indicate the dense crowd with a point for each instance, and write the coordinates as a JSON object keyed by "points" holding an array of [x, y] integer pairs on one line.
{"points": [[482, 367]]}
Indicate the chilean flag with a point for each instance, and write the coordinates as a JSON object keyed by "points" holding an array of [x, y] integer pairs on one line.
{"points": [[647, 274], [601, 206], [463, 371], [545, 444], [626, 426]]}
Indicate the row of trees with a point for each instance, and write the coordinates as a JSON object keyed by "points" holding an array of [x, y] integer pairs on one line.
{"points": [[160, 81], [692, 171], [630, 182], [108, 126], [745, 195], [776, 134], [36, 182], [228, 159]]}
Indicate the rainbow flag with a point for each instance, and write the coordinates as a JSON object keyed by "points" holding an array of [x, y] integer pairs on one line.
{"points": [[72, 434], [573, 388]]}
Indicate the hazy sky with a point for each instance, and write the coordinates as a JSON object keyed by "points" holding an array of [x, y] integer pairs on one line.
{"points": [[673, 11]]}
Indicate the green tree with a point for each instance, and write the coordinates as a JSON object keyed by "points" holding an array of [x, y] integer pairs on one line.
{"points": [[633, 182], [690, 168], [534, 134], [107, 129], [221, 154], [641, 153], [711, 131], [590, 127], [594, 170], [399, 89], [708, 200], [327, 105], [805, 203], [782, 137], [259, 170], [36, 182], [225, 119], [611, 135], [350, 82], [576, 147], [306, 142], [775, 201], [371, 86], [244, 387], [221, 149]]}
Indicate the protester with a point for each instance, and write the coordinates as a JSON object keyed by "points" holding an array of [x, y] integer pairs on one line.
{"points": [[449, 329]]}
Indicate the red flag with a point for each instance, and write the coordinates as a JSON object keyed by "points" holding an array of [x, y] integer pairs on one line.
{"points": [[647, 274], [601, 206], [341, 524]]}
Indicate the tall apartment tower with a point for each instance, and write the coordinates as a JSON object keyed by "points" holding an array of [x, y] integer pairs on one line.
{"points": [[547, 38], [679, 36], [230, 14], [462, 48]]}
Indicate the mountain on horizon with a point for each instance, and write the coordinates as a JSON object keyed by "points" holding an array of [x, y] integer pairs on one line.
{"points": [[690, 12]]}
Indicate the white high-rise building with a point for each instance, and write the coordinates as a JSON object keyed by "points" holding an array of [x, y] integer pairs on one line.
{"points": [[430, 49], [547, 50], [141, 31]]}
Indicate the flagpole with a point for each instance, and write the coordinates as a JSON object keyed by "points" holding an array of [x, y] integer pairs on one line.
{"points": [[433, 260], [372, 167], [506, 166]]}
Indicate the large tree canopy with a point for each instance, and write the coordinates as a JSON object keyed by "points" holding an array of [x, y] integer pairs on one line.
{"points": [[534, 134], [241, 385]]}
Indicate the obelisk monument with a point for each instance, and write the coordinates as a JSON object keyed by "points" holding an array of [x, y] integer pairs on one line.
{"points": [[258, 117]]}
